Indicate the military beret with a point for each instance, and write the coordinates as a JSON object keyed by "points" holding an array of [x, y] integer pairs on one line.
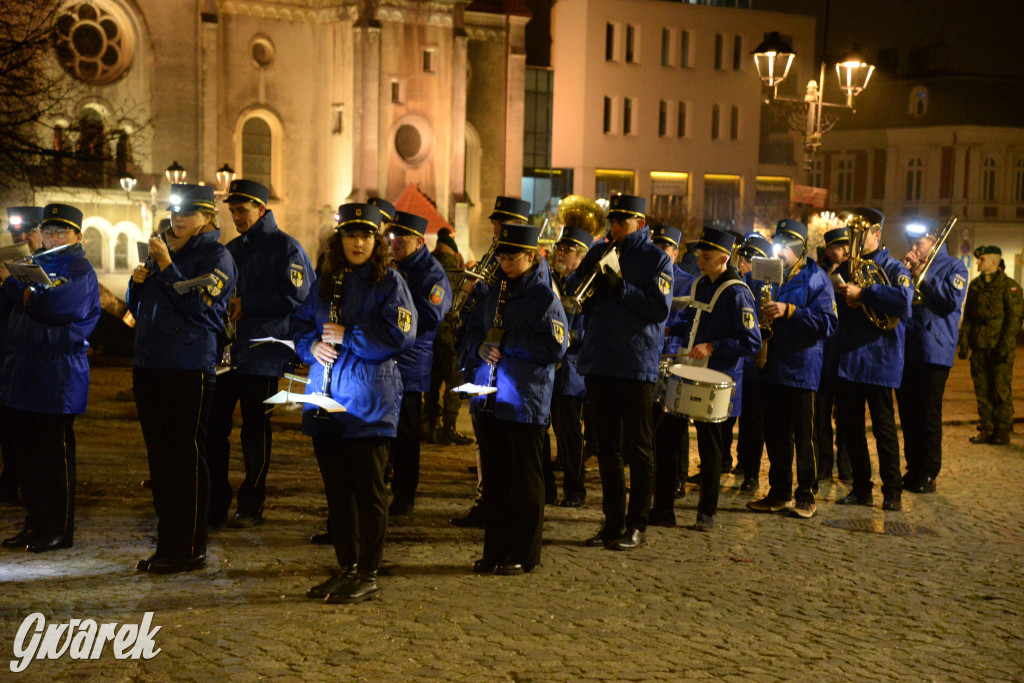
{"points": [[981, 251]]}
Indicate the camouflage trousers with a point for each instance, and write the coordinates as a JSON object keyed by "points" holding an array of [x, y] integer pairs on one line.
{"points": [[992, 372]]}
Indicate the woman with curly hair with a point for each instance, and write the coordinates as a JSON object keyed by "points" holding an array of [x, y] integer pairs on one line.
{"points": [[357, 318]]}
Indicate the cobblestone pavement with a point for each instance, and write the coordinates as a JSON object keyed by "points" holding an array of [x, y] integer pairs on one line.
{"points": [[763, 597]]}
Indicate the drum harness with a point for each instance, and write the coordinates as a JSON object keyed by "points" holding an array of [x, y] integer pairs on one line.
{"points": [[705, 307]]}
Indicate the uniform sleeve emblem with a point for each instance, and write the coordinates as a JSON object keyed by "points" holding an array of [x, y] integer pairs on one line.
{"points": [[958, 282], [903, 280], [436, 295], [404, 319], [215, 289], [296, 274], [558, 330], [835, 311], [665, 283], [748, 318]]}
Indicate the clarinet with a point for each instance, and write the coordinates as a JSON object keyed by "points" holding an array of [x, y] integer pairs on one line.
{"points": [[334, 316], [492, 376]]}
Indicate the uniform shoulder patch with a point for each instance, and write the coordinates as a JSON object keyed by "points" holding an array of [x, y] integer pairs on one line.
{"points": [[216, 288], [436, 295], [296, 274], [404, 319], [835, 311], [665, 282], [748, 318], [958, 282], [558, 331], [903, 281]]}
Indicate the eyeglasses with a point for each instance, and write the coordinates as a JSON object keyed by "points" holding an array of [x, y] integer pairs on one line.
{"points": [[510, 258], [59, 233], [563, 248]]}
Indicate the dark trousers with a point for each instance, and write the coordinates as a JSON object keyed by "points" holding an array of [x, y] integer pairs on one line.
{"points": [[850, 399], [43, 446], [510, 453], [920, 402], [992, 372], [750, 442], [444, 370], [671, 444], [788, 429], [173, 408], [567, 419], [8, 462], [829, 455], [711, 440], [622, 419], [250, 391], [353, 474], [405, 449]]}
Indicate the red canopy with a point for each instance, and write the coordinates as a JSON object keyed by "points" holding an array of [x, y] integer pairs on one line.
{"points": [[413, 201]]}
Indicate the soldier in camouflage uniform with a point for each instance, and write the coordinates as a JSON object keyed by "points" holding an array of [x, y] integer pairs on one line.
{"points": [[992, 317]]}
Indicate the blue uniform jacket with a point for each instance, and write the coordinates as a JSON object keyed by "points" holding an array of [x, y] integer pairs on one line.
{"points": [[681, 283], [45, 369], [933, 328], [863, 352], [568, 381], [626, 329], [274, 277], [796, 348], [536, 336], [179, 331], [380, 323], [731, 328], [432, 296]]}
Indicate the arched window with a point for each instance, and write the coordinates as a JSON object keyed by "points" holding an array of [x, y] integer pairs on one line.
{"points": [[257, 151], [988, 180], [915, 170], [94, 247], [918, 102], [121, 252]]}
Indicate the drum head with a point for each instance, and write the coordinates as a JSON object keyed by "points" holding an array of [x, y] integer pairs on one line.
{"points": [[702, 375]]}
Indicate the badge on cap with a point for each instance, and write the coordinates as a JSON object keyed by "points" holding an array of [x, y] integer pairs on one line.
{"points": [[558, 330], [404, 319], [748, 318], [665, 283], [436, 295], [296, 274]]}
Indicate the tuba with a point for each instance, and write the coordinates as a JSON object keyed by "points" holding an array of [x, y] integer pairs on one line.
{"points": [[576, 211], [866, 272], [939, 241]]}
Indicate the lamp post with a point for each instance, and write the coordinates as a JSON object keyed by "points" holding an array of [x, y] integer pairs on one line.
{"points": [[225, 174], [128, 183], [774, 56], [175, 173]]}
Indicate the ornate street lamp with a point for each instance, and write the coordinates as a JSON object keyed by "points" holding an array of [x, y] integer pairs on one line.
{"points": [[225, 174], [854, 74], [175, 173], [128, 183], [773, 57]]}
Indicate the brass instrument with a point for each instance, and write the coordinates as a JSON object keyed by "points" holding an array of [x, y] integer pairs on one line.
{"points": [[769, 272], [940, 239], [485, 270], [866, 272], [576, 211]]}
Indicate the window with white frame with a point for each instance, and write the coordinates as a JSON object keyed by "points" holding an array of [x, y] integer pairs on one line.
{"points": [[629, 115], [734, 123], [719, 48], [662, 119], [666, 47], [257, 151], [609, 115], [737, 53], [988, 180], [632, 44], [844, 181], [610, 32], [915, 171], [430, 60]]}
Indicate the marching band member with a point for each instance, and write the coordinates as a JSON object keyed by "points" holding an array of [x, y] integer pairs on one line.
{"points": [[570, 391], [432, 296], [624, 323], [869, 364], [750, 440], [376, 321], [274, 276], [721, 327], [46, 378], [802, 314], [516, 333], [831, 453], [174, 378], [931, 337], [671, 431]]}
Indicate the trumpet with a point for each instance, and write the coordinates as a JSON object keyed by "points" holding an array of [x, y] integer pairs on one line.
{"points": [[573, 303], [769, 272], [940, 239], [866, 272]]}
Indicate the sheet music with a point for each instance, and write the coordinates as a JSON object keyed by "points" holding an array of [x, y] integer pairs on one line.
{"points": [[470, 389], [325, 402], [29, 273], [271, 340]]}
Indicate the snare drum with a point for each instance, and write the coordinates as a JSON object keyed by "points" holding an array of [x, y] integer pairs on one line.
{"points": [[699, 393]]}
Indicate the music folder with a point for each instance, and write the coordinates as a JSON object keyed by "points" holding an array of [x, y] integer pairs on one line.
{"points": [[30, 274], [325, 402]]}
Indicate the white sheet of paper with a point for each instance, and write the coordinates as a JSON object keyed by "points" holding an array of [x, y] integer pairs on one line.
{"points": [[272, 340], [470, 389], [325, 402], [610, 260]]}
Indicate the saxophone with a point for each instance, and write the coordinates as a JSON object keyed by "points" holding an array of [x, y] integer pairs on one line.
{"points": [[866, 272]]}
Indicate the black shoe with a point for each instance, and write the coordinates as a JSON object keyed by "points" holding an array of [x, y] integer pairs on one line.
{"points": [[602, 537], [572, 502], [143, 565], [982, 437], [323, 538], [892, 504], [363, 587], [167, 565], [666, 518], [473, 518], [455, 437], [1000, 438], [44, 543], [482, 566], [846, 478], [852, 498], [631, 540], [511, 569], [680, 491], [551, 499], [693, 479], [922, 485], [240, 521], [20, 539], [704, 522], [399, 508], [338, 580], [750, 484]]}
